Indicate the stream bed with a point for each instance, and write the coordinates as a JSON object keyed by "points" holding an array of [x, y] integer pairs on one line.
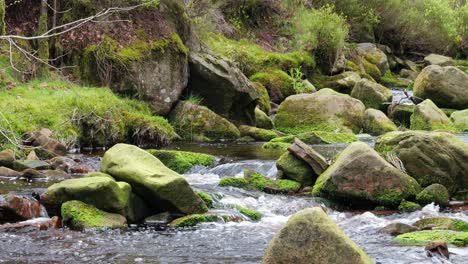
{"points": [[232, 242]]}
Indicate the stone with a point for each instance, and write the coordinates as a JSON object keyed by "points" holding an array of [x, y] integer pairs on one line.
{"points": [[258, 134], [32, 156], [442, 223], [372, 94], [437, 247], [427, 116], [262, 120], [310, 236], [434, 193], [408, 207], [7, 157], [429, 157], [293, 168], [32, 174], [150, 179], [418, 238], [377, 123], [30, 164], [15, 208], [374, 55], [319, 137], [182, 161], [401, 114], [325, 110], [223, 87], [78, 215], [447, 86], [198, 123], [440, 60], [43, 139], [342, 83], [7, 172], [264, 103], [361, 177], [159, 219], [460, 120], [302, 151], [62, 163], [396, 229]]}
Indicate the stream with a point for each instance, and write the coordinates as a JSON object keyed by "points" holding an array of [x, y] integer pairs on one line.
{"points": [[231, 242]]}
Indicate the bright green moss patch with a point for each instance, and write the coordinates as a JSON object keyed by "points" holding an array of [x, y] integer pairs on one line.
{"points": [[435, 193], [252, 214], [233, 181], [319, 137], [206, 198], [258, 181], [277, 82], [443, 223], [81, 216], [288, 185], [276, 145], [182, 161], [88, 116], [408, 207], [195, 219], [257, 133], [422, 237]]}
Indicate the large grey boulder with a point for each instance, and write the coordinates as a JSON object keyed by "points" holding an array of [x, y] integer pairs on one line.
{"points": [[377, 123], [310, 236], [436, 59], [427, 116], [460, 119], [224, 88], [372, 94], [445, 86]]}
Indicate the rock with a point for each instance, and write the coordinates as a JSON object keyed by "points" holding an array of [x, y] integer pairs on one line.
{"points": [[195, 122], [278, 84], [44, 140], [30, 164], [434, 193], [159, 219], [440, 60], [319, 137], [257, 133], [408, 207], [7, 157], [262, 120], [377, 123], [325, 110], [302, 151], [32, 174], [460, 120], [6, 172], [224, 88], [445, 86], [81, 169], [265, 184], [182, 161], [408, 74], [33, 225], [401, 114], [291, 167], [79, 215], [15, 208], [342, 83], [245, 140], [55, 174], [206, 198], [62, 163], [98, 174], [310, 236], [148, 176], [442, 223], [233, 182], [437, 247], [32, 156], [374, 55], [372, 94], [264, 98], [276, 146], [429, 157], [308, 86], [395, 229], [427, 116], [459, 239], [361, 177], [195, 219]]}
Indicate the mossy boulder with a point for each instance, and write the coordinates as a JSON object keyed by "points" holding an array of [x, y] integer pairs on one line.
{"points": [[434, 193], [259, 134], [233, 181], [262, 120], [442, 223], [408, 207], [263, 183], [182, 161], [277, 82], [195, 219], [7, 158], [150, 179], [98, 174], [310, 236], [372, 94], [460, 120], [421, 238], [371, 53], [325, 110], [342, 83], [291, 167], [377, 123], [429, 157], [445, 86], [276, 145], [362, 178], [78, 215], [264, 98], [319, 137], [223, 87], [206, 198], [198, 123], [249, 213], [401, 114], [395, 229], [427, 116]]}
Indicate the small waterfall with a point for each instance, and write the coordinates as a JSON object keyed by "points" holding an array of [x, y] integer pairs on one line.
{"points": [[265, 167]]}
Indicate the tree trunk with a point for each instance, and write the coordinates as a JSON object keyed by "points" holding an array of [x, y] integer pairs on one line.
{"points": [[2, 18], [43, 44]]}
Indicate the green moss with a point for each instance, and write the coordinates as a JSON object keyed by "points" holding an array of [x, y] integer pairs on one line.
{"points": [[443, 223], [422, 237], [264, 100], [233, 181], [295, 169], [435, 193], [257, 133], [2, 18], [390, 80], [371, 69], [182, 161], [80, 215], [206, 198], [258, 181], [276, 145], [319, 137], [252, 214], [277, 82], [408, 207], [195, 219], [288, 185]]}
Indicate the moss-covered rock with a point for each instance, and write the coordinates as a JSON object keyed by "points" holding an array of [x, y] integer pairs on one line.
{"points": [[276, 145], [445, 86], [98, 174], [419, 238], [310, 236], [427, 116], [325, 110], [436, 59], [196, 122], [195, 219], [278, 83], [408, 207], [252, 214], [259, 134], [395, 229], [262, 120], [295, 169], [148, 176], [264, 98], [390, 80], [377, 123], [442, 223], [434, 193], [460, 120], [79, 215], [375, 56], [319, 137], [233, 181], [429, 157], [182, 161], [342, 83], [206, 198], [372, 94], [401, 114], [361, 178]]}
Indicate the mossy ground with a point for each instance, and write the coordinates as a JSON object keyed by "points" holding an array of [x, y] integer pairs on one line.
{"points": [[182, 161], [422, 237]]}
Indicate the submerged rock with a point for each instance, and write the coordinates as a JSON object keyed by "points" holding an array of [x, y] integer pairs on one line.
{"points": [[434, 193], [437, 247], [361, 177], [408, 207], [310, 236], [325, 110], [377, 123], [372, 94], [161, 187], [427, 116], [420, 238], [429, 157], [78, 215], [182, 161], [195, 219], [395, 229]]}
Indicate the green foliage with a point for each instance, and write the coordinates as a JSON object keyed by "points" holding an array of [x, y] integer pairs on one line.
{"points": [[297, 78], [182, 161], [2, 18]]}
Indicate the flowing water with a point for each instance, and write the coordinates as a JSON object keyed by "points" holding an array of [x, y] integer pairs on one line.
{"points": [[231, 242]]}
